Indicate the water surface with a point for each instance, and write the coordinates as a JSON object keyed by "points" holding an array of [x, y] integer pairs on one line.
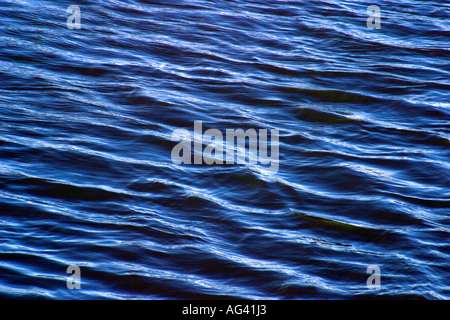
{"points": [[86, 176]]}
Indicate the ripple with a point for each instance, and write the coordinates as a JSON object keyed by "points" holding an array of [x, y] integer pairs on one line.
{"points": [[86, 176]]}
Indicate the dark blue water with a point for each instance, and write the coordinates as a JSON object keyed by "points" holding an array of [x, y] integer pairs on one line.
{"points": [[87, 179]]}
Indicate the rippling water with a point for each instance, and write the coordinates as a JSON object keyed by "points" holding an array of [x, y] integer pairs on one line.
{"points": [[86, 176]]}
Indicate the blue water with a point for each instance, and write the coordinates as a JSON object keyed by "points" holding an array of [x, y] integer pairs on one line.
{"points": [[87, 179]]}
